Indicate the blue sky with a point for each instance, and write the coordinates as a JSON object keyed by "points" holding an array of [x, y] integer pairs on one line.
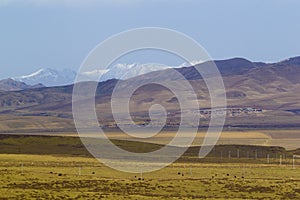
{"points": [[60, 33]]}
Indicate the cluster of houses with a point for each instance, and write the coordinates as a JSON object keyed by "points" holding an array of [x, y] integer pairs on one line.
{"points": [[203, 113], [232, 112]]}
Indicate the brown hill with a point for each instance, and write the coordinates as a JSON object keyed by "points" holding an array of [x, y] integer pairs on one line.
{"points": [[258, 95]]}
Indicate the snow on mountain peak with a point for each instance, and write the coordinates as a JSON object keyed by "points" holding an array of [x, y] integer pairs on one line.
{"points": [[52, 77], [123, 71], [192, 63], [49, 77]]}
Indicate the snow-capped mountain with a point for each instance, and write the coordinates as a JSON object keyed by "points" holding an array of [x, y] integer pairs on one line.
{"points": [[49, 77], [125, 71]]}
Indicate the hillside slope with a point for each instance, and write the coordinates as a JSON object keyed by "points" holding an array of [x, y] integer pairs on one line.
{"points": [[258, 95]]}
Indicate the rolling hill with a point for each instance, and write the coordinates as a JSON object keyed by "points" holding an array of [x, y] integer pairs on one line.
{"points": [[258, 94]]}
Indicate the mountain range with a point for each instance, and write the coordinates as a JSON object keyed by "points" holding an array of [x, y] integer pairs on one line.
{"points": [[13, 85], [48, 77], [52, 77], [258, 95]]}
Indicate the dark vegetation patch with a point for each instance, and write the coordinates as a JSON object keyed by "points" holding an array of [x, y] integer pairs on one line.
{"points": [[55, 145]]}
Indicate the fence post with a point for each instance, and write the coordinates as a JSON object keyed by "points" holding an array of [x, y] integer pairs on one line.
{"points": [[280, 159], [293, 161]]}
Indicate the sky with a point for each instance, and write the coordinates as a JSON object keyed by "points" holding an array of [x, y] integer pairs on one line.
{"points": [[59, 34]]}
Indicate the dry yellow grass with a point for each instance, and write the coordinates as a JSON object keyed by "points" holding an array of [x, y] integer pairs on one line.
{"points": [[50, 177], [289, 139]]}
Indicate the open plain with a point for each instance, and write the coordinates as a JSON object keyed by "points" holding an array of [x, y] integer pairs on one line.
{"points": [[63, 169]]}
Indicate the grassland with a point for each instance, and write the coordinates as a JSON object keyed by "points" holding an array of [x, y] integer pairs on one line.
{"points": [[72, 146], [44, 167], [56, 177]]}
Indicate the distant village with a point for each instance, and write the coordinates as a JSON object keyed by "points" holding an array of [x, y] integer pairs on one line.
{"points": [[231, 112], [203, 113]]}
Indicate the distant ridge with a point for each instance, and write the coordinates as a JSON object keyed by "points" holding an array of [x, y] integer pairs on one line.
{"points": [[234, 66], [13, 85], [258, 95], [49, 77]]}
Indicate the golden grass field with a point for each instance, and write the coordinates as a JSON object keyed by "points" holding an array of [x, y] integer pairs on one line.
{"points": [[289, 139], [45, 167], [56, 177]]}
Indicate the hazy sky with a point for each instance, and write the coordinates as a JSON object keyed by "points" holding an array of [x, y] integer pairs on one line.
{"points": [[60, 33]]}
